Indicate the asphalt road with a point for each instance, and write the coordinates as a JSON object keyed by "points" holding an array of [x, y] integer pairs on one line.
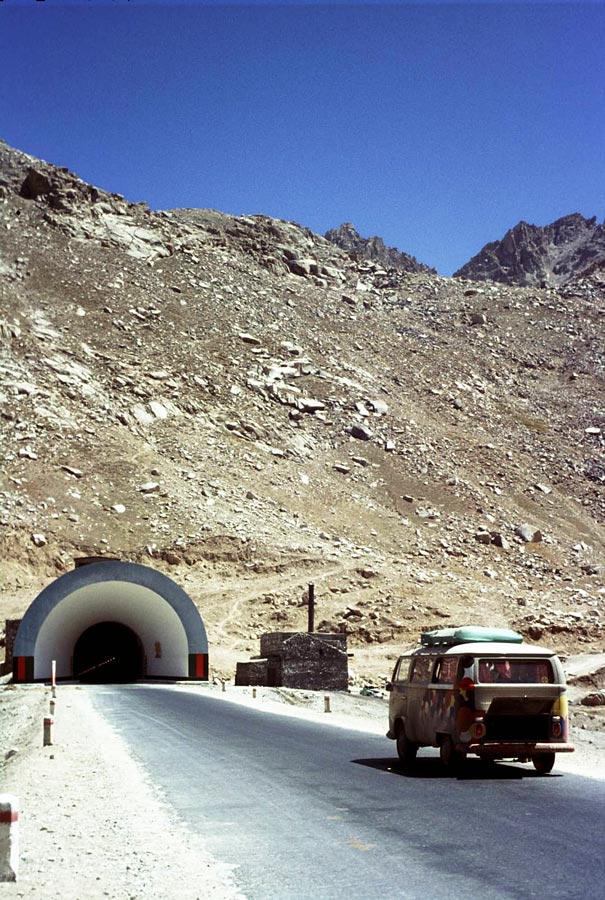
{"points": [[312, 811]]}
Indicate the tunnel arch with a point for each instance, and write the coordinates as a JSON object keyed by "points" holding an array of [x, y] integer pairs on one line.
{"points": [[154, 608]]}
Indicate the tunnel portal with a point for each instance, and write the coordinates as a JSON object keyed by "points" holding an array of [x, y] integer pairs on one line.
{"points": [[110, 620], [108, 652]]}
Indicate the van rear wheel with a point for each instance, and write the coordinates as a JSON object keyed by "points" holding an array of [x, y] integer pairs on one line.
{"points": [[544, 763], [451, 758], [406, 750]]}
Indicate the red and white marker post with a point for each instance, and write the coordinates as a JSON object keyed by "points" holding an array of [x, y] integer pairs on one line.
{"points": [[47, 737], [9, 837]]}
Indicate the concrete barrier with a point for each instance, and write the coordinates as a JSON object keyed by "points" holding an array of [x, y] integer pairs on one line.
{"points": [[9, 837]]}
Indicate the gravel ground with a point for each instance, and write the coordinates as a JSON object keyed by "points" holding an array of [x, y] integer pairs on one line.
{"points": [[91, 824]]}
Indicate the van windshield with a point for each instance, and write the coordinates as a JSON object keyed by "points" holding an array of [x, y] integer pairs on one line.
{"points": [[515, 671]]}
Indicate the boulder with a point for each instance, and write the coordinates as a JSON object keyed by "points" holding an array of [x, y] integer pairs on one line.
{"points": [[36, 184], [360, 433], [528, 534], [595, 699], [303, 267]]}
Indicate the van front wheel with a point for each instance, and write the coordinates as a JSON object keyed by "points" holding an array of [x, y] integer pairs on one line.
{"points": [[406, 750], [544, 763], [451, 758]]}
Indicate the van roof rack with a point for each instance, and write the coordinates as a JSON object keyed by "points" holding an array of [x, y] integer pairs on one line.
{"points": [[469, 634]]}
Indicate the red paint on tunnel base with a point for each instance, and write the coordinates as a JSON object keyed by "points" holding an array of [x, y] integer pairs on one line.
{"points": [[23, 669], [198, 666]]}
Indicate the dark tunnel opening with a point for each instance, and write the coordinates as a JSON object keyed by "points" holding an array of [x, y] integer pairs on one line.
{"points": [[108, 652]]}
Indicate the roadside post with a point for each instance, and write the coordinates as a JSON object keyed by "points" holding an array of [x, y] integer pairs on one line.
{"points": [[53, 678], [9, 837], [48, 731]]}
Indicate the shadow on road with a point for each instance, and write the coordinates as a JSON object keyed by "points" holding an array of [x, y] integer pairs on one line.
{"points": [[431, 767]]}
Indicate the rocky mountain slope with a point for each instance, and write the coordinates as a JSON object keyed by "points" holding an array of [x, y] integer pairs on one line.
{"points": [[240, 403], [567, 250], [347, 238]]}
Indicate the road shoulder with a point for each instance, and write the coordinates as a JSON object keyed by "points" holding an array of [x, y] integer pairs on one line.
{"points": [[92, 827]]}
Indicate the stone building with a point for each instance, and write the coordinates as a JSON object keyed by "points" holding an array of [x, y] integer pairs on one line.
{"points": [[11, 628], [313, 661]]}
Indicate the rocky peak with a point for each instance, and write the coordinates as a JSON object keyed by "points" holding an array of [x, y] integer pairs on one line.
{"points": [[550, 255], [347, 238]]}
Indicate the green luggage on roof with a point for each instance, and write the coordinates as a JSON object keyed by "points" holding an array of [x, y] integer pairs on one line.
{"points": [[469, 634]]}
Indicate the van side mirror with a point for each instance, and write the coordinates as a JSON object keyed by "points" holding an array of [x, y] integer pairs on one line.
{"points": [[389, 686]]}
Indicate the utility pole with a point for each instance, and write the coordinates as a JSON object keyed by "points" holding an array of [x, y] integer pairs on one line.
{"points": [[311, 628]]}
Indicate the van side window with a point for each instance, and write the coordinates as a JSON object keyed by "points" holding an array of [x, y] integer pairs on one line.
{"points": [[446, 669], [421, 669], [402, 669]]}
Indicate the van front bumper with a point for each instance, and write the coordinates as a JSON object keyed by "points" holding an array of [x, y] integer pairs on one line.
{"points": [[514, 748]]}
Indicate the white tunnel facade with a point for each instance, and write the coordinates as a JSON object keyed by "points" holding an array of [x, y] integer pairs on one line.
{"points": [[165, 623]]}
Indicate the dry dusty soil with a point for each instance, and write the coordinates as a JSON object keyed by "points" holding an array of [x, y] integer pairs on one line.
{"points": [[93, 827]]}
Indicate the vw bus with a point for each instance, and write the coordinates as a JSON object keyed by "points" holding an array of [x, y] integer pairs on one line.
{"points": [[481, 691]]}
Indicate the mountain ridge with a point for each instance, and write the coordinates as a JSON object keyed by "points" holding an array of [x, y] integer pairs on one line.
{"points": [[242, 404]]}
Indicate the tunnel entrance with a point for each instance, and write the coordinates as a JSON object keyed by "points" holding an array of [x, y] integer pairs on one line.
{"points": [[111, 620], [108, 652]]}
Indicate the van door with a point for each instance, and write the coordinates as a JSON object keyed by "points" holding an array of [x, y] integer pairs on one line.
{"points": [[443, 696], [419, 720], [398, 701]]}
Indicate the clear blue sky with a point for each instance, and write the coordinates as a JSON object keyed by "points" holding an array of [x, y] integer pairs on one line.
{"points": [[437, 126]]}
